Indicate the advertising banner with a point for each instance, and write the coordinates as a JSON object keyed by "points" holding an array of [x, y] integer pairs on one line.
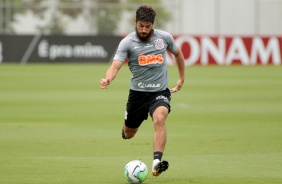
{"points": [[197, 50], [230, 50], [52, 49]]}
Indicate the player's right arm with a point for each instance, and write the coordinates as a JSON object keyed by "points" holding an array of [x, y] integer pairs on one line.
{"points": [[118, 60], [110, 74]]}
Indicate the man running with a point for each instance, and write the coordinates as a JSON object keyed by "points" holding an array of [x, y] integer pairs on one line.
{"points": [[145, 49]]}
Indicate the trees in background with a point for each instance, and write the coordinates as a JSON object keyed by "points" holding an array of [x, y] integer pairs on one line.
{"points": [[55, 16]]}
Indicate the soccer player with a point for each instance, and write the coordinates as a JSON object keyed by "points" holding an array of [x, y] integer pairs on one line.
{"points": [[145, 49]]}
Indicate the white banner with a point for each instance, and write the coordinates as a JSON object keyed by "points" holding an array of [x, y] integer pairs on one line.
{"points": [[221, 50]]}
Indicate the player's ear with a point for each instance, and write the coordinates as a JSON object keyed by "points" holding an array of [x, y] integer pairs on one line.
{"points": [[135, 21]]}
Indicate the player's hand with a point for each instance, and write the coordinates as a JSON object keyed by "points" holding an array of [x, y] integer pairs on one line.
{"points": [[104, 83], [178, 86]]}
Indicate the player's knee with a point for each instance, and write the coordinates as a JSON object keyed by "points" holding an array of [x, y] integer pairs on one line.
{"points": [[159, 120], [160, 115]]}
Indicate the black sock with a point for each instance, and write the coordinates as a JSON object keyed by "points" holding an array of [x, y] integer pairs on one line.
{"points": [[158, 155]]}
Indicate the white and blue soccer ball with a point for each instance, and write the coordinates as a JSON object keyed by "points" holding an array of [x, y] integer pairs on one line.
{"points": [[135, 171]]}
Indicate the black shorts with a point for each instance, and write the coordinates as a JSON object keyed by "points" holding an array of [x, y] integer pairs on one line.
{"points": [[139, 104]]}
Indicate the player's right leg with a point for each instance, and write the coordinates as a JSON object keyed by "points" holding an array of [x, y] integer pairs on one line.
{"points": [[136, 112], [128, 133]]}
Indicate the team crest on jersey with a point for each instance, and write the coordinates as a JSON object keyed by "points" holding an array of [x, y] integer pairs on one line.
{"points": [[159, 44]]}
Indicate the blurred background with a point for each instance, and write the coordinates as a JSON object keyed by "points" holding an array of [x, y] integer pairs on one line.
{"points": [[114, 19]]}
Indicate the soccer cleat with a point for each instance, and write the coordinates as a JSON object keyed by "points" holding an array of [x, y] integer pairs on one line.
{"points": [[159, 167]]}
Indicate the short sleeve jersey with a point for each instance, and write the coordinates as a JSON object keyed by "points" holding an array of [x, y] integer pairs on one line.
{"points": [[147, 60]]}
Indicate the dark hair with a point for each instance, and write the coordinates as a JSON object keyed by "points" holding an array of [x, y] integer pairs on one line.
{"points": [[145, 13]]}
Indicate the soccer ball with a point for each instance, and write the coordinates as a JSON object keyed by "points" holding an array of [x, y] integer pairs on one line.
{"points": [[135, 171]]}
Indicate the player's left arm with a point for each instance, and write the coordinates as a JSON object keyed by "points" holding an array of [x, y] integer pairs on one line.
{"points": [[179, 59]]}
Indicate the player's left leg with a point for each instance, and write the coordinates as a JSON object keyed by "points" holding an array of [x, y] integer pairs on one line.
{"points": [[159, 117]]}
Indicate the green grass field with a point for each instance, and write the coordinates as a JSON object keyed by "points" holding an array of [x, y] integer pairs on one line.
{"points": [[58, 127]]}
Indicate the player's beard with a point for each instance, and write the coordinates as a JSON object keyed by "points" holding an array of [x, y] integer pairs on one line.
{"points": [[144, 38]]}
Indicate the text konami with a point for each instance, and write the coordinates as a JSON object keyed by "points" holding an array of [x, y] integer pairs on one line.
{"points": [[227, 50]]}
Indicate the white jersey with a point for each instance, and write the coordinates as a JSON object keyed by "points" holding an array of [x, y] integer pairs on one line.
{"points": [[147, 60]]}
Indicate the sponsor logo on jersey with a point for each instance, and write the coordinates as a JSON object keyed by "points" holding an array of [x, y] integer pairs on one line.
{"points": [[161, 97], [159, 44], [148, 45], [150, 59], [143, 85]]}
